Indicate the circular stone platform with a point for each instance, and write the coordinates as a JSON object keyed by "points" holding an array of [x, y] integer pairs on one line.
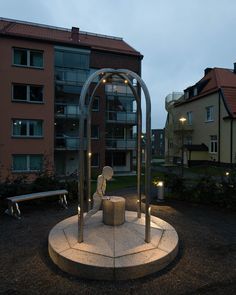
{"points": [[112, 252]]}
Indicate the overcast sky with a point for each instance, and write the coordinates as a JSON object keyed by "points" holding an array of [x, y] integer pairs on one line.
{"points": [[178, 38]]}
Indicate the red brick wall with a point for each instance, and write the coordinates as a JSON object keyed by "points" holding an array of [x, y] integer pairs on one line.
{"points": [[8, 109]]}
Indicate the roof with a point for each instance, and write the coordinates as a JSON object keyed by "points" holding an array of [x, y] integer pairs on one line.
{"points": [[9, 27], [216, 79], [196, 147]]}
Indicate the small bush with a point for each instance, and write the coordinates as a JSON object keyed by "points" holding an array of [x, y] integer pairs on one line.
{"points": [[206, 191]]}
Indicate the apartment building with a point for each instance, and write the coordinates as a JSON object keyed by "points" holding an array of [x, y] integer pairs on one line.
{"points": [[43, 69], [158, 143], [202, 122]]}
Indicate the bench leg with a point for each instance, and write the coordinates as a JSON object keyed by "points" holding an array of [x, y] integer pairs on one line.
{"points": [[13, 210], [63, 201]]}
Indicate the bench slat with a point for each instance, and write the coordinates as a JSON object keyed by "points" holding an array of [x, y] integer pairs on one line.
{"points": [[32, 196]]}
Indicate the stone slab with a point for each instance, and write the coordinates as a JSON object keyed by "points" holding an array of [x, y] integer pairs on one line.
{"points": [[112, 252]]}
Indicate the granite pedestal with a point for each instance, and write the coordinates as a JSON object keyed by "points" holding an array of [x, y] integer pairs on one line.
{"points": [[113, 210], [112, 252]]}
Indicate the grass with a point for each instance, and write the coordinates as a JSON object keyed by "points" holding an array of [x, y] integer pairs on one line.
{"points": [[121, 182]]}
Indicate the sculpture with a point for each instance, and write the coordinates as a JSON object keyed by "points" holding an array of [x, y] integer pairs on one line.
{"points": [[107, 173]]}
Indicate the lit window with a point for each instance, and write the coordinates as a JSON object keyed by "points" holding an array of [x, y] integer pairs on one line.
{"points": [[209, 114], [213, 144], [27, 128], [27, 163], [29, 93], [190, 118], [27, 57]]}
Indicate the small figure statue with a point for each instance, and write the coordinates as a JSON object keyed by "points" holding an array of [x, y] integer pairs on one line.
{"points": [[107, 173]]}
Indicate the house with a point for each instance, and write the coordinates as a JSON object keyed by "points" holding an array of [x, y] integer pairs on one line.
{"points": [[43, 69], [201, 124]]}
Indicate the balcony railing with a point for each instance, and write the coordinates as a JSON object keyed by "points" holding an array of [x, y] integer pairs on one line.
{"points": [[67, 110], [122, 117], [68, 143], [120, 144], [178, 127]]}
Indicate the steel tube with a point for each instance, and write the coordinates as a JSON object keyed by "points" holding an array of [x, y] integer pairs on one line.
{"points": [[85, 88]]}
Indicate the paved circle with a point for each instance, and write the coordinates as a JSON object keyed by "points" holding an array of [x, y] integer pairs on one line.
{"points": [[112, 252]]}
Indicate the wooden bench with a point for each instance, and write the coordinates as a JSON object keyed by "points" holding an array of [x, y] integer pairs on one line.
{"points": [[13, 207]]}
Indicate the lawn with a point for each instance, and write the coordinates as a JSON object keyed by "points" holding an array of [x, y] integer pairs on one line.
{"points": [[121, 182]]}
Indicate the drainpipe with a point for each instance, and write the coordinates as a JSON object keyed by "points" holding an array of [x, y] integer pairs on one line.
{"points": [[231, 141], [219, 125]]}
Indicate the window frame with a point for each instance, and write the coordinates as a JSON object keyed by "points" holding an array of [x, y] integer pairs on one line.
{"points": [[28, 163], [211, 117], [189, 118], [27, 128], [98, 100], [28, 88], [28, 54], [213, 144], [98, 129], [98, 164]]}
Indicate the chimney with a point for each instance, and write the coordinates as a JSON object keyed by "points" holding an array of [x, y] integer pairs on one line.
{"points": [[235, 67], [75, 34], [207, 70]]}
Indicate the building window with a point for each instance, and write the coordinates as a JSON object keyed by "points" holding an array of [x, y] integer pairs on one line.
{"points": [[27, 163], [29, 93], [27, 128], [195, 92], [95, 160], [188, 140], [95, 132], [186, 95], [213, 144], [116, 133], [119, 159], [190, 118], [72, 58], [95, 106], [209, 114], [28, 58]]}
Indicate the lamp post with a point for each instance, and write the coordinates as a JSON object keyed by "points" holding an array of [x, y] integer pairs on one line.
{"points": [[182, 121]]}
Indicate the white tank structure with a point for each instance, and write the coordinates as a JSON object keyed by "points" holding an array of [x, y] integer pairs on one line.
{"points": [[171, 99]]}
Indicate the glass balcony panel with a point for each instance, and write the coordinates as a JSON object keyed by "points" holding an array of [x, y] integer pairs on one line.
{"points": [[64, 110], [68, 143], [122, 117], [120, 144]]}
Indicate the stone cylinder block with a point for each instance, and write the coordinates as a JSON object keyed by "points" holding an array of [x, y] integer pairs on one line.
{"points": [[114, 211]]}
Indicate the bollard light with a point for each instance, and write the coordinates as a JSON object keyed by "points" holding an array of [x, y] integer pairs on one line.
{"points": [[160, 191], [160, 183]]}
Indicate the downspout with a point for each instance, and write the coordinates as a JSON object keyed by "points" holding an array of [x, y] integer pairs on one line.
{"points": [[231, 141], [219, 125]]}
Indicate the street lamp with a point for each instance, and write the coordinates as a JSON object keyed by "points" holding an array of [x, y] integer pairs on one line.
{"points": [[182, 121]]}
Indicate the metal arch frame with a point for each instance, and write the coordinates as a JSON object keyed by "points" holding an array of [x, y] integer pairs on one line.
{"points": [[89, 151], [123, 73]]}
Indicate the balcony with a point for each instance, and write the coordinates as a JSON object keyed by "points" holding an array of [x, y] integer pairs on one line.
{"points": [[121, 144], [67, 143], [63, 110], [122, 117], [178, 127]]}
